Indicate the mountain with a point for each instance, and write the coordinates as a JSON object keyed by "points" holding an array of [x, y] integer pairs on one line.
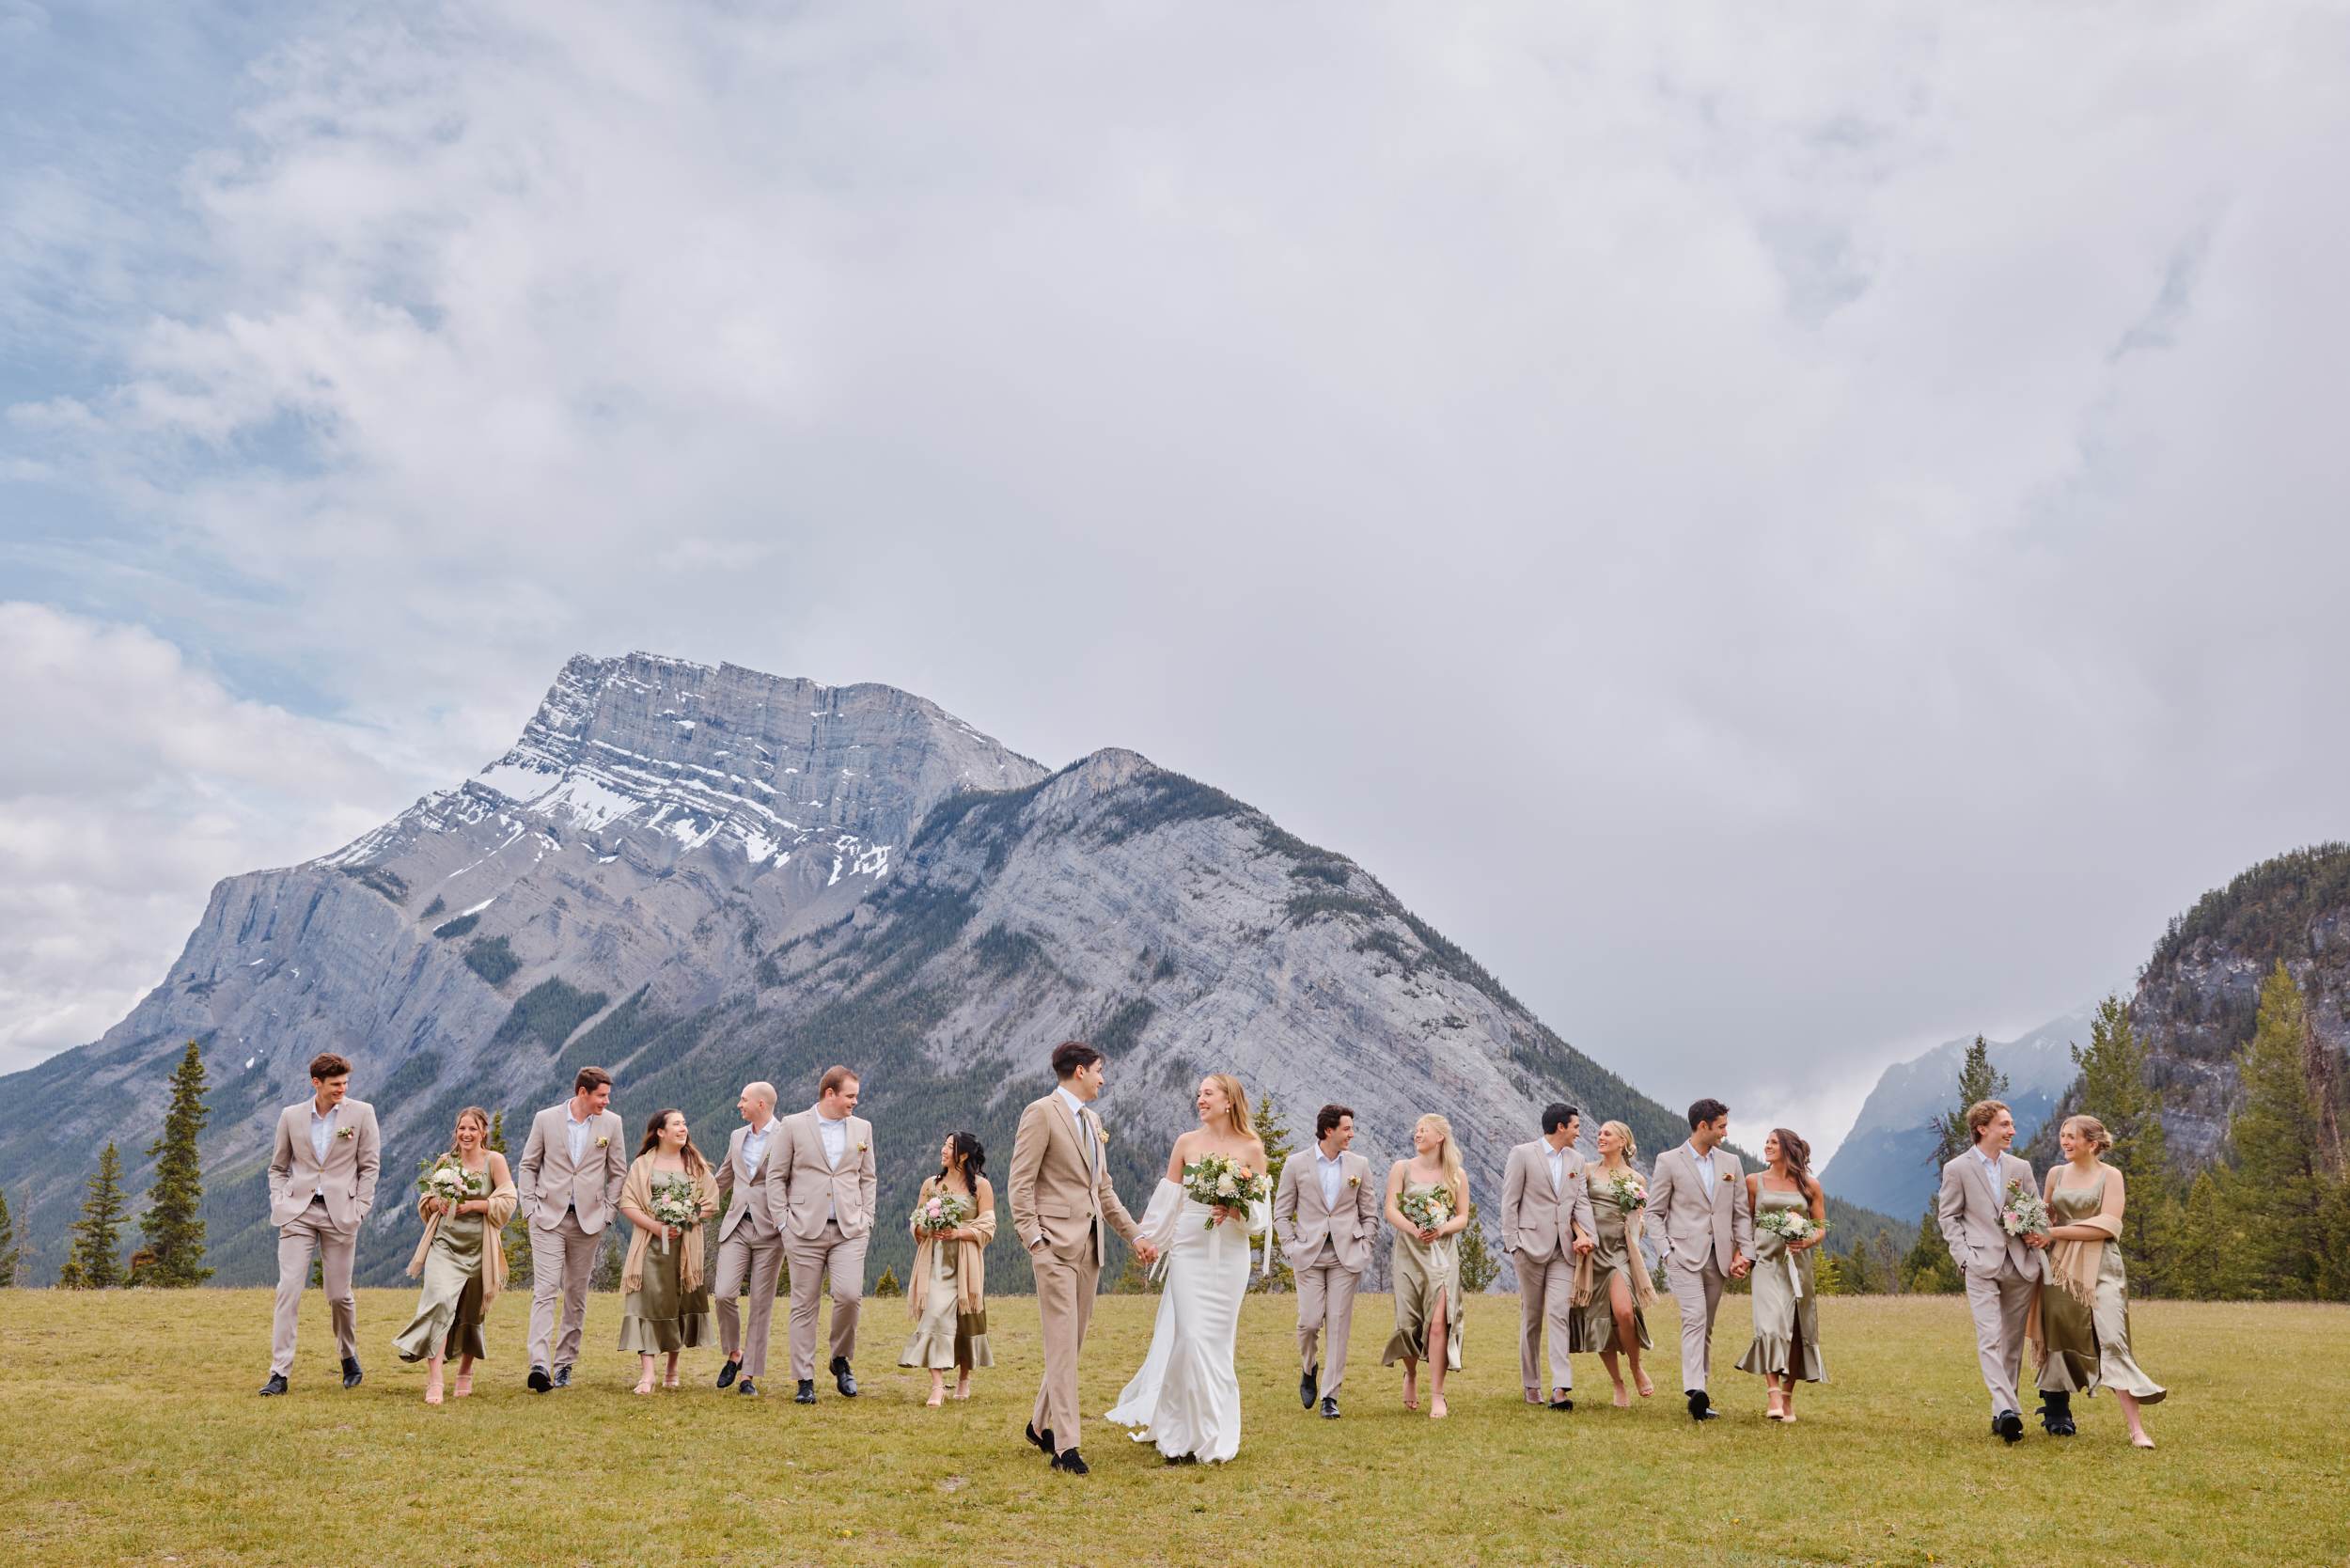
{"points": [[699, 876], [1884, 1161]]}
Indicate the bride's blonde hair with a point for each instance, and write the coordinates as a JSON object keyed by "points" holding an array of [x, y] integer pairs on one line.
{"points": [[1447, 1154], [1236, 1098]]}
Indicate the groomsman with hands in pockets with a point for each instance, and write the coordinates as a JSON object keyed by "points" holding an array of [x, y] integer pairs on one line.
{"points": [[825, 1166], [1709, 1236], [321, 1187], [750, 1239], [568, 1187], [2001, 1271], [1326, 1214], [1546, 1226]]}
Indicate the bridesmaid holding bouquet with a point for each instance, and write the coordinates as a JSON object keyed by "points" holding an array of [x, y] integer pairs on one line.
{"points": [[1427, 1205], [1790, 1212], [1613, 1317], [468, 1198], [665, 1301], [954, 1220]]}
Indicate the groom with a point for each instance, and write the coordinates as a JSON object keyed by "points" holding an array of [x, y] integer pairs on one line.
{"points": [[1326, 1214], [321, 1187], [1546, 1225], [1708, 1236], [1060, 1199], [2001, 1270]]}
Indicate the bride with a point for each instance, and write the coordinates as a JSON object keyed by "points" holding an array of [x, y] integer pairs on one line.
{"points": [[1186, 1397]]}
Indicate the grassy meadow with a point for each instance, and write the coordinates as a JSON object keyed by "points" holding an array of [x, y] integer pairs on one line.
{"points": [[132, 1435]]}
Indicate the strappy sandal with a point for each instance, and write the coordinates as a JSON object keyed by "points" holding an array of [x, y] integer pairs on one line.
{"points": [[464, 1385]]}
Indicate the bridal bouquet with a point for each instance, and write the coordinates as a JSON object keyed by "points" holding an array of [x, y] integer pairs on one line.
{"points": [[446, 1178], [1427, 1210], [940, 1213], [1627, 1189], [1221, 1181], [1790, 1226], [2023, 1213], [675, 1201]]}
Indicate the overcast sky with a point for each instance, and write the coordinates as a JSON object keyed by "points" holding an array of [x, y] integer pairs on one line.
{"points": [[1792, 532]]}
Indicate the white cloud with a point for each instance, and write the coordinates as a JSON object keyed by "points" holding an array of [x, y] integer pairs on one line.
{"points": [[1849, 494], [130, 783]]}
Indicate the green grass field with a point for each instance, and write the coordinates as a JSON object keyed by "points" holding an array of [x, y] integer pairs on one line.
{"points": [[132, 1434]]}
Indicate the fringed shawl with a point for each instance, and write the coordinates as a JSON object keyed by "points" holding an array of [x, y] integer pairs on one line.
{"points": [[637, 1193], [970, 1268], [493, 1220]]}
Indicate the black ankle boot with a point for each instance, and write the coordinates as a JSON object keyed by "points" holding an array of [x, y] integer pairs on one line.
{"points": [[2056, 1414]]}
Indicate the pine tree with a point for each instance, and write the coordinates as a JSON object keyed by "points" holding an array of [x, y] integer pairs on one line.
{"points": [[514, 1241], [1853, 1277], [1479, 1266], [98, 1234], [887, 1284], [175, 1235], [1978, 1081], [1272, 1131], [2113, 1090], [1885, 1263], [2277, 1195], [8, 1243], [2197, 1270]]}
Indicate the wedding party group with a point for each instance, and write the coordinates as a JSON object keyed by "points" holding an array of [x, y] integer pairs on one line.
{"points": [[797, 1193]]}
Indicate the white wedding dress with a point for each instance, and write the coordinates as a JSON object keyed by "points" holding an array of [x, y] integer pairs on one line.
{"points": [[1186, 1397]]}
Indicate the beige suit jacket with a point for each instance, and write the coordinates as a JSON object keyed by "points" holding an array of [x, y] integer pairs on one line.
{"points": [[1701, 1218], [1059, 1197], [812, 1188], [547, 1184], [1301, 1219], [1968, 1212], [752, 1194], [1534, 1219], [346, 1180]]}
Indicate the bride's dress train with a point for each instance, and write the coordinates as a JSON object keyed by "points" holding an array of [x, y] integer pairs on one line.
{"points": [[1186, 1397]]}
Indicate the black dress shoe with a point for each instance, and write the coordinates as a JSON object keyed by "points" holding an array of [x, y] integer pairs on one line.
{"points": [[276, 1384], [1041, 1439], [538, 1380], [842, 1378], [726, 1374], [563, 1377], [2056, 1414], [1307, 1385], [808, 1392], [1701, 1406], [1073, 1463], [2010, 1425], [1562, 1405], [352, 1373], [748, 1388], [1181, 1459], [1329, 1407]]}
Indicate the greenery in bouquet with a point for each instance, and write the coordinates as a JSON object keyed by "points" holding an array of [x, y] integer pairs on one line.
{"points": [[1427, 1210], [1221, 1181], [446, 1178], [675, 1201], [941, 1213], [2022, 1214], [1628, 1190], [1790, 1226]]}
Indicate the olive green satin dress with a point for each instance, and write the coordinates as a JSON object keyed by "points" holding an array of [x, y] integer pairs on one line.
{"points": [[659, 1315], [1422, 1270], [1592, 1328], [2088, 1347], [1786, 1324], [448, 1311]]}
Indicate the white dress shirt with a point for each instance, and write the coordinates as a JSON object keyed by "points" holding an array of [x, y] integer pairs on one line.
{"points": [[755, 1147], [833, 1136], [578, 1133], [321, 1131], [1093, 1145], [1991, 1163], [1558, 1161], [1332, 1174], [1705, 1167]]}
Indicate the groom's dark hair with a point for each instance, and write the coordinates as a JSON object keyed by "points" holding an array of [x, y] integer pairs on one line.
{"points": [[1704, 1111], [1557, 1115], [1326, 1119], [1072, 1055]]}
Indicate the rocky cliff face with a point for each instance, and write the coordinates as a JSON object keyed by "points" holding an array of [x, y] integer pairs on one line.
{"points": [[694, 877]]}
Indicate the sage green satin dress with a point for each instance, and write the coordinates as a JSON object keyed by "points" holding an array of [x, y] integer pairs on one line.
{"points": [[1786, 1324], [2088, 1347], [1592, 1328], [1422, 1269], [448, 1311], [661, 1315]]}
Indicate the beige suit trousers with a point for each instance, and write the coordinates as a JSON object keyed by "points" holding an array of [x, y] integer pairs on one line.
{"points": [[561, 1261], [1545, 1295], [1064, 1302], [2001, 1303], [833, 1254], [1698, 1294], [1326, 1310], [761, 1259], [310, 1231]]}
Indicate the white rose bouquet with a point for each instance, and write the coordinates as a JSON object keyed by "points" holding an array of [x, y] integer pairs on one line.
{"points": [[2023, 1213], [675, 1201], [1427, 1210], [1792, 1226], [1628, 1190], [446, 1178], [1221, 1181]]}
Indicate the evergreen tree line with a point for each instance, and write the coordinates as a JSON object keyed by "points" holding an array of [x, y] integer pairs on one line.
{"points": [[2268, 1221]]}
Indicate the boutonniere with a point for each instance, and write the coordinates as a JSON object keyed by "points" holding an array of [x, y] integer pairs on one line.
{"points": [[1353, 1180], [1104, 1136], [860, 1147], [602, 1142], [346, 1131], [1728, 1177]]}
